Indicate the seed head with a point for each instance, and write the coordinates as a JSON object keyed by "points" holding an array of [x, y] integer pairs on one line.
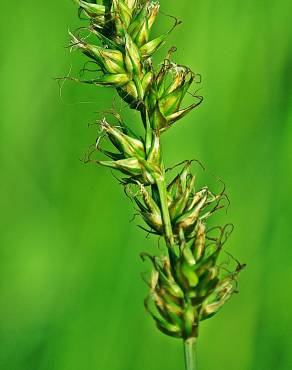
{"points": [[188, 284]]}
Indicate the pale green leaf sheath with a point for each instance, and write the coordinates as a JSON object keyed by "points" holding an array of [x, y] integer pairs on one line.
{"points": [[187, 283]]}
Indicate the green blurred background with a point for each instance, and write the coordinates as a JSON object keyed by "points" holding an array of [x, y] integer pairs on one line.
{"points": [[70, 286]]}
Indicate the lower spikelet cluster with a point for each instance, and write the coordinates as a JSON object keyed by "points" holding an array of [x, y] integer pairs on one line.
{"points": [[118, 42], [190, 286]]}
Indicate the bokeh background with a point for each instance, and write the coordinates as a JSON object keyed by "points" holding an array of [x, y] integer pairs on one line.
{"points": [[70, 287]]}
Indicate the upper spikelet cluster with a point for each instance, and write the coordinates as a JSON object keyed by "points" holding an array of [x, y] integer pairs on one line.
{"points": [[190, 285], [123, 53]]}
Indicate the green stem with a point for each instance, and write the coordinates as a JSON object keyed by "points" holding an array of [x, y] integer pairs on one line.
{"points": [[160, 182], [148, 129], [189, 354], [168, 233], [161, 185]]}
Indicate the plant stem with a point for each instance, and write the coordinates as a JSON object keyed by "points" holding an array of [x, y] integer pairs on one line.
{"points": [[189, 354], [160, 182], [165, 212], [168, 233]]}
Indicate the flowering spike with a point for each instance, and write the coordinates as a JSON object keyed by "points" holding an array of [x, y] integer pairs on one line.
{"points": [[186, 284]]}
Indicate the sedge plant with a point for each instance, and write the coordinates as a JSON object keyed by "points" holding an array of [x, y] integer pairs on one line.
{"points": [[187, 284]]}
